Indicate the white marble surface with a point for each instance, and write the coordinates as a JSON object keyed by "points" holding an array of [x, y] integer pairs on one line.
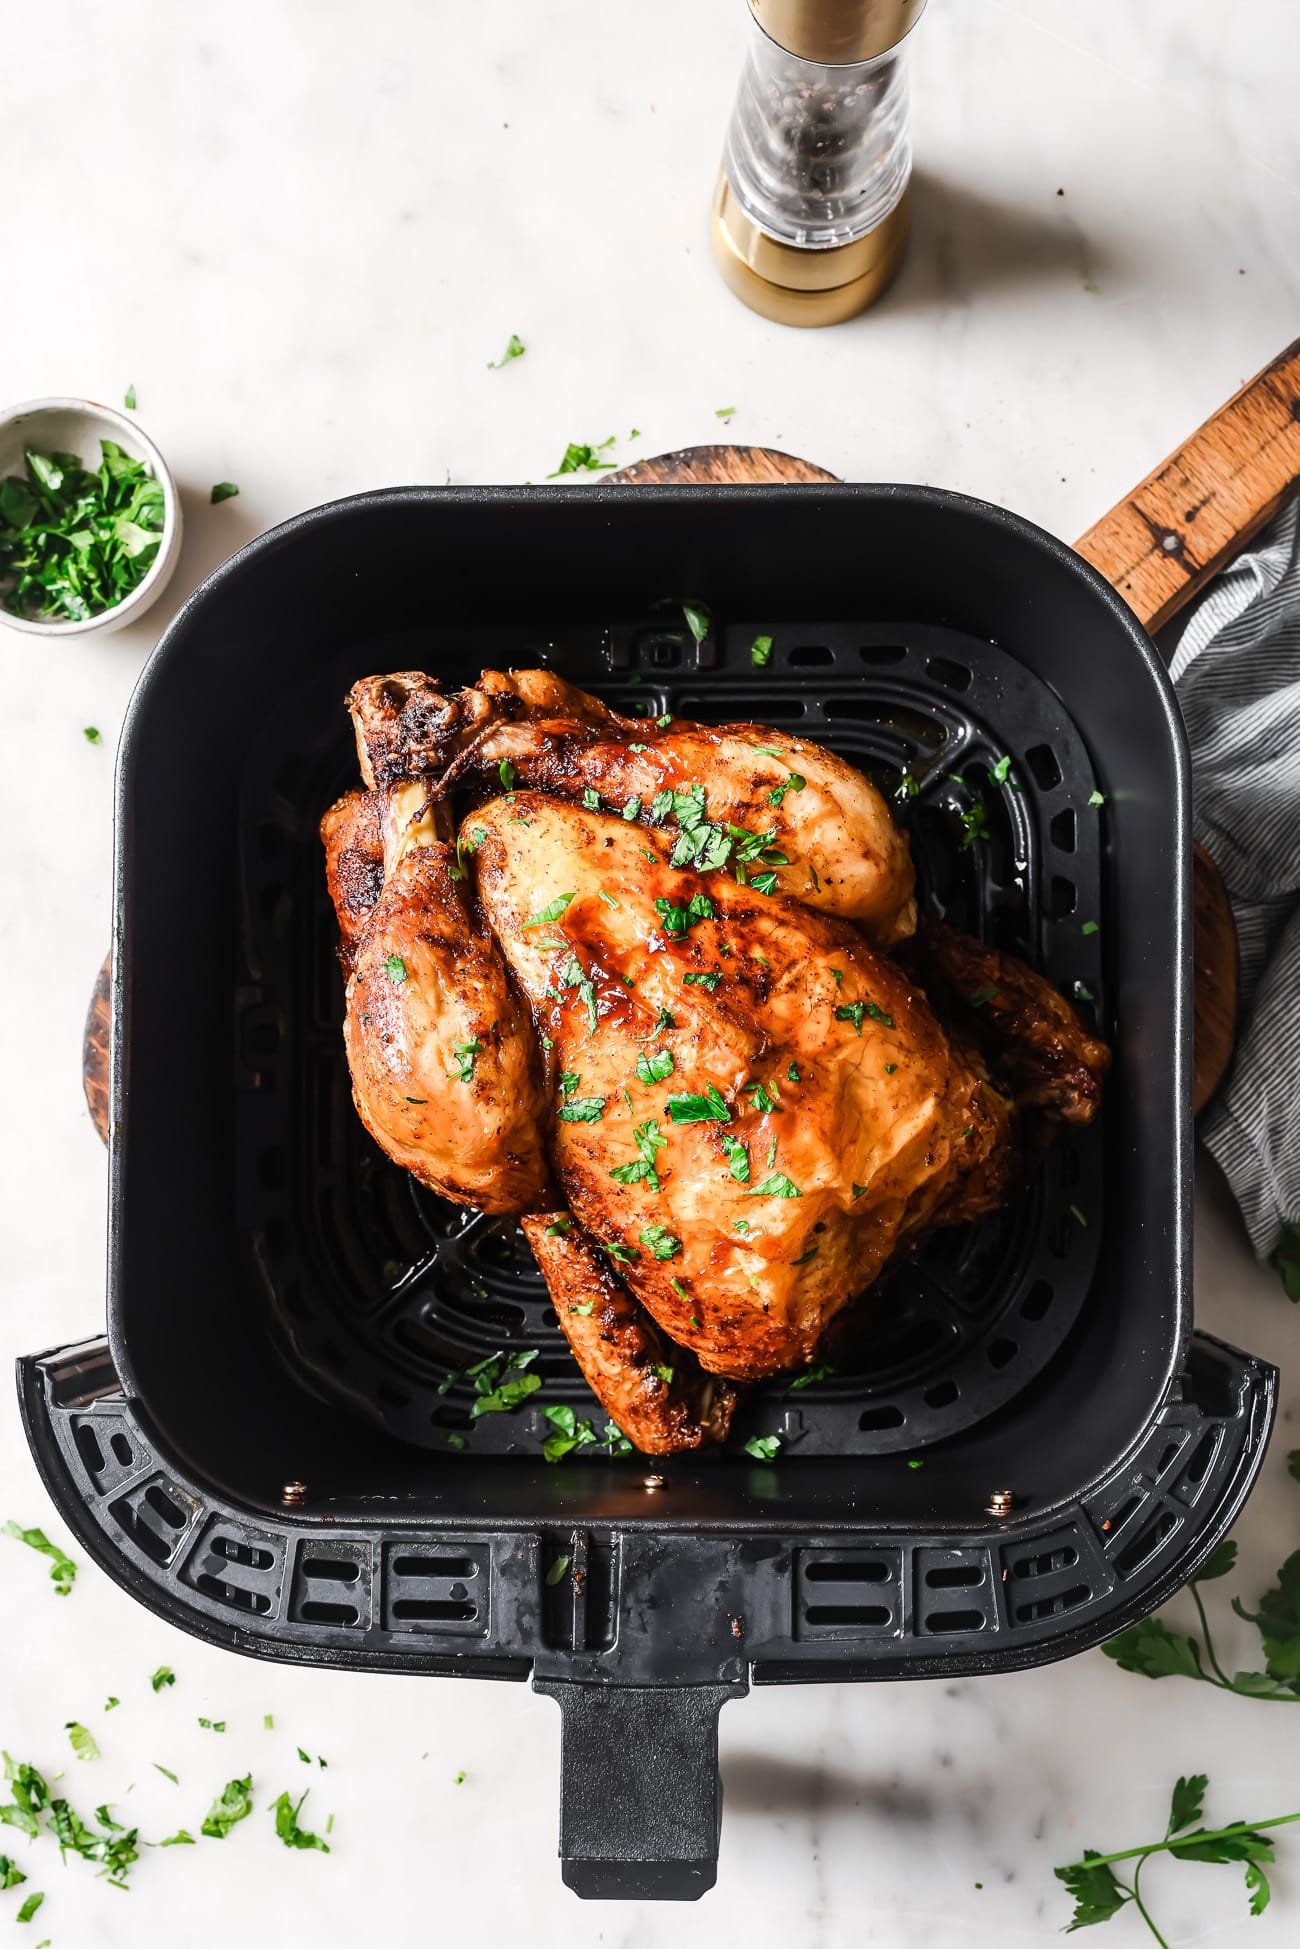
{"points": [[301, 230]]}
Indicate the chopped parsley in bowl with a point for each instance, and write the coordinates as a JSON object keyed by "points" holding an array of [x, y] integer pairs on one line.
{"points": [[89, 519]]}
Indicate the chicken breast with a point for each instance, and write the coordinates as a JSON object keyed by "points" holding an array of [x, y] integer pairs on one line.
{"points": [[751, 1107]]}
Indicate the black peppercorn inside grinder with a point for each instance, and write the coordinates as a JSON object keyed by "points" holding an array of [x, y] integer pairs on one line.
{"points": [[810, 216]]}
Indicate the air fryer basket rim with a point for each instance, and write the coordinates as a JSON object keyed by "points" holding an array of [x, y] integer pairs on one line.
{"points": [[234, 1573]]}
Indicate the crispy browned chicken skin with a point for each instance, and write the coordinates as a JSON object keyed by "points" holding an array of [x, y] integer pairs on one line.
{"points": [[652, 971]]}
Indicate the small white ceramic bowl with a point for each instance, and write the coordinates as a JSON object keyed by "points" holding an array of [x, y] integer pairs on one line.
{"points": [[77, 426]]}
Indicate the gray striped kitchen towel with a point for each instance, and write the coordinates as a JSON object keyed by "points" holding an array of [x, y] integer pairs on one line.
{"points": [[1237, 673]]}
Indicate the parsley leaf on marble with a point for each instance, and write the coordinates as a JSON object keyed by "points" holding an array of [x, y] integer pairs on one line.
{"points": [[233, 1804], [584, 459], [515, 349], [63, 1571]]}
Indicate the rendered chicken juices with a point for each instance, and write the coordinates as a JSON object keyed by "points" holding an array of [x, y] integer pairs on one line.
{"points": [[651, 971]]}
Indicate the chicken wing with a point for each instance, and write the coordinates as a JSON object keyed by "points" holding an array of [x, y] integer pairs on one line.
{"points": [[817, 815]]}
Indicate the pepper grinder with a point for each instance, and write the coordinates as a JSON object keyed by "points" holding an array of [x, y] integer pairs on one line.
{"points": [[811, 212]]}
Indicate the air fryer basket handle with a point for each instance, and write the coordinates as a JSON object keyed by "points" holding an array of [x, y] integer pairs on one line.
{"points": [[640, 1797]]}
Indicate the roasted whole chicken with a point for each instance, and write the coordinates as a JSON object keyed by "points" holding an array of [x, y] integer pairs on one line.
{"points": [[661, 989]]}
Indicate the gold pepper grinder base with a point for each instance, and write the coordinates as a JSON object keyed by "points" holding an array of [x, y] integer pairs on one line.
{"points": [[805, 287]]}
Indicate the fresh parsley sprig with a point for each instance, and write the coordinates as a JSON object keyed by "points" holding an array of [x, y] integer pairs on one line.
{"points": [[1099, 1893], [63, 1570], [1152, 1650]]}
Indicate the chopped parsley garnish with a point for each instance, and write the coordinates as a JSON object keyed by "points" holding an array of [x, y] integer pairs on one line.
{"points": [[737, 1156], [572, 1433], [30, 1907], [709, 981], [699, 618], [654, 1067], [591, 800], [583, 1109], [163, 1676], [810, 1377], [395, 968], [662, 722], [1083, 993], [794, 783], [723, 412], [793, 1073], [1001, 772], [660, 1241], [665, 1374], [233, 1804], [777, 1185], [982, 995], [466, 845], [1096, 798], [287, 1827], [81, 1740], [11, 1875], [581, 459], [684, 1107], [839, 976], [760, 652], [557, 1570], [678, 921], [501, 1385], [63, 1570], [506, 773], [181, 1838], [1078, 1216], [804, 1257], [854, 1012], [91, 735], [665, 1019], [128, 398], [649, 1141], [76, 541], [761, 1099], [907, 787], [515, 349], [166, 1772], [680, 1291], [741, 1225], [584, 1308], [110, 1702], [763, 1448], [763, 882], [1090, 927], [974, 821], [608, 898], [223, 490], [569, 1082], [464, 1069], [571, 976], [215, 1725], [890, 1067], [551, 911], [633, 807]]}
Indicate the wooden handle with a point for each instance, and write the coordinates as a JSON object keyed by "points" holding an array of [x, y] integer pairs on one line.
{"points": [[1198, 509]]}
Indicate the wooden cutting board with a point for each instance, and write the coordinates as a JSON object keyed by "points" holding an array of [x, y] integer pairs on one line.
{"points": [[1161, 544]]}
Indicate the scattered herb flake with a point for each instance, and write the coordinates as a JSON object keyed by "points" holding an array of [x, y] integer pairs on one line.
{"points": [[225, 490], [777, 1185], [515, 349], [794, 783], [551, 911], [591, 800], [166, 1772], [557, 1570], [82, 1740], [709, 981], [1096, 798], [654, 1066], [660, 1241], [760, 652], [1078, 1216], [649, 1141], [63, 1571], [583, 1109], [723, 412], [91, 735], [163, 1676], [30, 1907], [584, 459], [810, 1377], [1090, 927], [287, 1827], [395, 968], [763, 1448]]}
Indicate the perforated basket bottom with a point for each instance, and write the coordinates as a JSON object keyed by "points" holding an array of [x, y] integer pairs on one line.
{"points": [[381, 1293]]}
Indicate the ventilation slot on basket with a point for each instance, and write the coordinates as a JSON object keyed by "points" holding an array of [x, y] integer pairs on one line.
{"points": [[955, 1576], [332, 1586], [1040, 1607], [1202, 1459], [154, 1518], [953, 676], [1042, 762], [805, 655], [939, 1622], [105, 1453], [238, 1572], [1146, 1543], [847, 1595], [439, 1590]]}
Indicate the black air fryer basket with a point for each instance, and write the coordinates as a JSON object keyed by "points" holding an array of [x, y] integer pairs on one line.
{"points": [[273, 1447]]}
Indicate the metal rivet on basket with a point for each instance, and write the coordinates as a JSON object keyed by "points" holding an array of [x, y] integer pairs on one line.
{"points": [[293, 1494], [652, 1482], [1001, 1502]]}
